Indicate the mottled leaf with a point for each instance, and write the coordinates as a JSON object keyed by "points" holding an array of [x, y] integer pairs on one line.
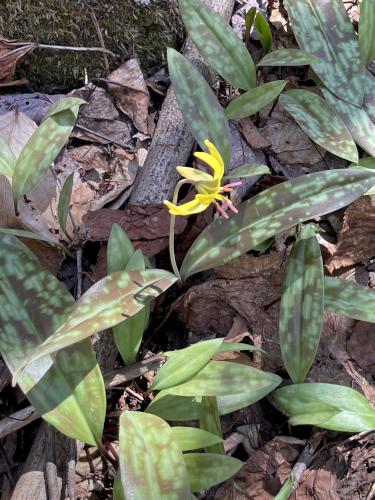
{"points": [[320, 122], [151, 462], [185, 363], [247, 170], [366, 162], [333, 407], [42, 148], [199, 106], [64, 202], [272, 211], [286, 489], [119, 250], [220, 378], [21, 233], [63, 105], [104, 305], [209, 420], [322, 28], [207, 469], [302, 305], [249, 21], [366, 29], [65, 388], [357, 121], [254, 100], [237, 346], [7, 159], [190, 438], [288, 57], [264, 31], [218, 44], [349, 299]]}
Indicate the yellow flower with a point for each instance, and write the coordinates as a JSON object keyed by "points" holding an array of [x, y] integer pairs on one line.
{"points": [[208, 186]]}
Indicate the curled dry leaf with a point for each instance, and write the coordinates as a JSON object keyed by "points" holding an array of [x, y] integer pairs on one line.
{"points": [[130, 92], [10, 54]]}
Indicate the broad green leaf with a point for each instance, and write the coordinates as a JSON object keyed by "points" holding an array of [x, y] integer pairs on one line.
{"points": [[136, 262], [119, 250], [366, 162], [190, 438], [369, 98], [357, 121], [7, 159], [249, 21], [237, 346], [199, 105], [151, 462], [264, 31], [247, 170], [218, 44], [286, 489], [209, 420], [330, 406], [255, 99], [64, 202], [302, 305], [272, 211], [183, 364], [365, 31], [349, 299], [323, 29], [221, 378], [63, 105], [21, 233], [117, 494], [320, 122], [104, 305], [288, 57], [207, 469], [67, 389], [42, 148]]}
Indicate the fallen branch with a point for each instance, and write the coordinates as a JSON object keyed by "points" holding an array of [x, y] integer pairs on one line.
{"points": [[122, 375]]}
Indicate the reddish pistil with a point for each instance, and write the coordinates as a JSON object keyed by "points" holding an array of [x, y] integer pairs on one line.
{"points": [[221, 211]]}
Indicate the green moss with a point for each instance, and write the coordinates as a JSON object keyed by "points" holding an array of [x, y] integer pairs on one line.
{"points": [[129, 30]]}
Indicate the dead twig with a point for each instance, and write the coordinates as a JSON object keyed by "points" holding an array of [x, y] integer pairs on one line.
{"points": [[101, 39], [121, 375], [62, 47]]}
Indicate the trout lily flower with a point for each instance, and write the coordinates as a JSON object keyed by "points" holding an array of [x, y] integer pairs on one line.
{"points": [[208, 186]]}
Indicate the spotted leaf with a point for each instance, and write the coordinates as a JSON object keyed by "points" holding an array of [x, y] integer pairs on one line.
{"points": [[7, 159], [288, 57], [199, 106], [65, 388], [254, 100], [190, 438], [104, 305], [218, 44], [349, 299], [151, 462], [247, 170], [64, 202], [273, 211], [302, 305], [333, 407], [365, 30], [207, 469], [21, 233], [320, 122], [323, 29]]}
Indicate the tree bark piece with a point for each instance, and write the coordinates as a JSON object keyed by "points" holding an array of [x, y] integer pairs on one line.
{"points": [[172, 142], [17, 420]]}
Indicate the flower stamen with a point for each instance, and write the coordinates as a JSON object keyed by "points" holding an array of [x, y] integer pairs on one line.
{"points": [[221, 211]]}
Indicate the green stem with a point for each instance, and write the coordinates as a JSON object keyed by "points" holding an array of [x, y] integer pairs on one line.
{"points": [[171, 229]]}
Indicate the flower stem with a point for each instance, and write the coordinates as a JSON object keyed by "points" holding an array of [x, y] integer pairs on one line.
{"points": [[171, 229]]}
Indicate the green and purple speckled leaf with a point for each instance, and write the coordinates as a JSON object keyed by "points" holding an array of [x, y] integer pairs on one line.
{"points": [[207, 469], [302, 305], [219, 44], [366, 30], [322, 28], [333, 407], [199, 105], [254, 100], [272, 211], [65, 388], [288, 57], [105, 304], [320, 122], [152, 465], [349, 299], [43, 147]]}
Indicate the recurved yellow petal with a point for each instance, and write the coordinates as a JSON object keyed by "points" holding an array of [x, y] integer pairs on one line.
{"points": [[199, 204], [215, 153], [194, 175], [212, 162]]}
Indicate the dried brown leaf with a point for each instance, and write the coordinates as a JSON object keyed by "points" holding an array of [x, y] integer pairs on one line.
{"points": [[11, 52]]}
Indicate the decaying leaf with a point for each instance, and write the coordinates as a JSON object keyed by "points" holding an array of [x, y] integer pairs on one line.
{"points": [[11, 52], [16, 128]]}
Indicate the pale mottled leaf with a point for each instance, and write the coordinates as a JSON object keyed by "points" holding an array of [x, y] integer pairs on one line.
{"points": [[64, 202], [349, 299], [288, 57], [273, 211], [209, 420], [218, 44], [7, 159], [264, 31], [21, 233], [255, 99], [104, 305], [322, 28], [238, 346], [63, 105], [42, 148], [366, 29], [330, 406], [199, 105], [185, 363], [247, 170], [207, 469], [65, 388], [302, 305], [320, 122], [119, 250], [190, 438], [151, 463]]}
